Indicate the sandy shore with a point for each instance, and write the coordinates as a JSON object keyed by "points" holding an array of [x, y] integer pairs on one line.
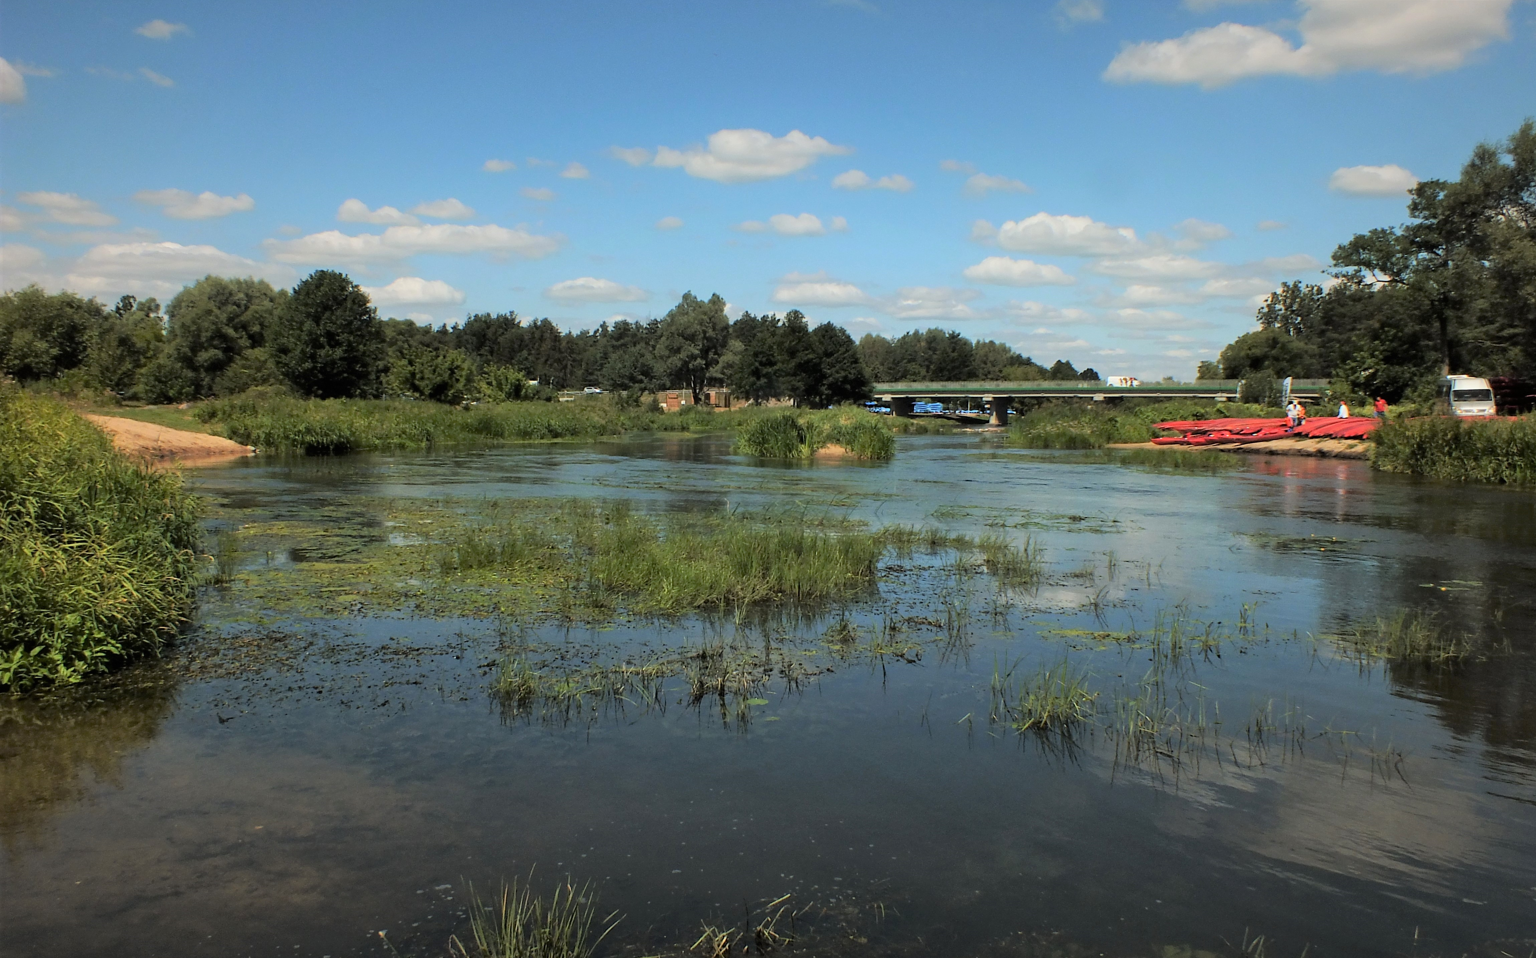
{"points": [[1321, 448], [163, 446]]}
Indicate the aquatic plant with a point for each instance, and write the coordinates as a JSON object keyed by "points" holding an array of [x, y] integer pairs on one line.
{"points": [[97, 552], [1053, 701], [1465, 450], [1012, 564], [800, 435], [519, 924], [1407, 635]]}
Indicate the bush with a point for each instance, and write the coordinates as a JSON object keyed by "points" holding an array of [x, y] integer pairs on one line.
{"points": [[96, 551], [1081, 426], [1469, 450]]}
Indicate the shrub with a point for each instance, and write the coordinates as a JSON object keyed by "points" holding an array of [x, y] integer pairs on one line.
{"points": [[1475, 450], [96, 551]]}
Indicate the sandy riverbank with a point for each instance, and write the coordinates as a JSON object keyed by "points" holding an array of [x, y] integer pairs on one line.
{"points": [[164, 446], [1319, 448]]}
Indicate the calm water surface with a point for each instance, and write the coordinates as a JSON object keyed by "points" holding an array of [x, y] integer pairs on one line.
{"points": [[304, 806]]}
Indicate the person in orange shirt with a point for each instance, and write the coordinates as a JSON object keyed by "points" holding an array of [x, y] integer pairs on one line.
{"points": [[1381, 408]]}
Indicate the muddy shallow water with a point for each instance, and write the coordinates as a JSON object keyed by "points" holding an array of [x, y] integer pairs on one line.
{"points": [[353, 773]]}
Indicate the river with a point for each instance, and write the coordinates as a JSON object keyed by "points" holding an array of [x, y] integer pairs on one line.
{"points": [[351, 773]]}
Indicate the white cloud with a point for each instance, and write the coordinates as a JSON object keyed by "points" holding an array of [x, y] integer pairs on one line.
{"points": [[32, 69], [1269, 226], [1389, 180], [1142, 320], [1066, 236], [838, 224], [415, 291], [186, 205], [933, 302], [1238, 286], [17, 259], [983, 232], [498, 166], [859, 180], [401, 242], [356, 211], [669, 223], [13, 220], [1069, 12], [806, 224], [1294, 263], [743, 156], [1197, 233], [13, 89], [535, 161], [590, 289], [980, 184], [575, 171], [957, 166], [1141, 294], [161, 30], [449, 209], [818, 289], [633, 155], [540, 193], [160, 269], [158, 79], [67, 208], [1390, 36], [1157, 266], [1006, 271]]}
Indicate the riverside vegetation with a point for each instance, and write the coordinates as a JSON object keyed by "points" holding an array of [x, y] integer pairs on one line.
{"points": [[97, 552], [1066, 425], [1443, 447]]}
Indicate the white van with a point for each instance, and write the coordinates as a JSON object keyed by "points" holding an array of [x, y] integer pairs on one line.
{"points": [[1122, 382], [1466, 396]]}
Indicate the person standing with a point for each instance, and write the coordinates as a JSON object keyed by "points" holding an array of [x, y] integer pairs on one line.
{"points": [[1343, 409], [1381, 408], [1291, 414]]}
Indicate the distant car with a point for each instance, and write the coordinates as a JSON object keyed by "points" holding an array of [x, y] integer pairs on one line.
{"points": [[592, 391], [1124, 382]]}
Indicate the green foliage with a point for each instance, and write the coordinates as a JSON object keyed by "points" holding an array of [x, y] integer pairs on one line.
{"points": [[42, 335], [1067, 425], [436, 375], [690, 340], [328, 342], [519, 924], [505, 384], [130, 335], [210, 325], [1269, 354], [801, 435], [96, 552], [1444, 447]]}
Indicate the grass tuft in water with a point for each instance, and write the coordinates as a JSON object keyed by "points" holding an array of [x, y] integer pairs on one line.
{"points": [[801, 435], [1054, 701], [519, 924], [1404, 636]]}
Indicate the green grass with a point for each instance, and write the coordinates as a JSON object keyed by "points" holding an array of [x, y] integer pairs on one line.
{"points": [[1403, 636], [519, 924], [1053, 701], [671, 564], [1076, 425], [97, 553], [1466, 450], [800, 435]]}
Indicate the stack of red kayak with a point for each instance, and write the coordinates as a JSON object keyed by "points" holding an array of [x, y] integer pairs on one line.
{"points": [[1207, 432]]}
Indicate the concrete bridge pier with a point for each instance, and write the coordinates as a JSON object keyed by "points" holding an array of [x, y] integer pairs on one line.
{"points": [[901, 406], [1001, 406]]}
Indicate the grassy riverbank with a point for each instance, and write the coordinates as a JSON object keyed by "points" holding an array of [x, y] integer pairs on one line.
{"points": [[1469, 450], [1068, 425], [801, 435], [97, 553]]}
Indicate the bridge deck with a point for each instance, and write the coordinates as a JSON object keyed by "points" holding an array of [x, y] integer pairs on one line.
{"points": [[1204, 389]]}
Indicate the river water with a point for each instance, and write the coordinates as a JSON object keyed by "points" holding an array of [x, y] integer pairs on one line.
{"points": [[355, 775]]}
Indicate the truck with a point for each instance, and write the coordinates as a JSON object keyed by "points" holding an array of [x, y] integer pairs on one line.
{"points": [[1465, 396]]}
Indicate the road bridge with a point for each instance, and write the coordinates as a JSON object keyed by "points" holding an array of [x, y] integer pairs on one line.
{"points": [[1000, 396]]}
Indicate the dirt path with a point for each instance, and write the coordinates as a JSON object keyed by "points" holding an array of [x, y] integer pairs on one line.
{"points": [[163, 446], [1321, 448]]}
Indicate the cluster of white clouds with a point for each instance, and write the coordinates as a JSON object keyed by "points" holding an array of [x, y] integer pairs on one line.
{"points": [[805, 224], [978, 183], [1389, 36], [333, 247], [356, 211], [859, 180], [186, 205], [737, 156]]}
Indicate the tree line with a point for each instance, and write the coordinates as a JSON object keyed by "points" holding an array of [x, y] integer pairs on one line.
{"points": [[1451, 291], [221, 336]]}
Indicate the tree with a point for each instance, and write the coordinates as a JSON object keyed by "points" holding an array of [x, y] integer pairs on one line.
{"points": [[210, 325], [751, 361], [435, 375], [993, 360], [42, 335], [840, 375], [690, 340], [329, 342], [1208, 370], [1089, 375], [1061, 370], [1270, 352], [129, 337]]}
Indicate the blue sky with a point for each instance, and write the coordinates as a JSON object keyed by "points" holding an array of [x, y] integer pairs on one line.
{"points": [[1108, 181]]}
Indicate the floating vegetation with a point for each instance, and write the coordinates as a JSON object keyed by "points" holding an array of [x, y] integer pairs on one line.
{"points": [[1329, 546], [519, 924], [1405, 636]]}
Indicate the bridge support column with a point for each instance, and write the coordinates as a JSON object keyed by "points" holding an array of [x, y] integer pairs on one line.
{"points": [[1001, 405], [900, 406]]}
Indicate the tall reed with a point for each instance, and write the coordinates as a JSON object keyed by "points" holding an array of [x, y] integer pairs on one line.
{"points": [[801, 434], [519, 924], [97, 552], [1467, 450]]}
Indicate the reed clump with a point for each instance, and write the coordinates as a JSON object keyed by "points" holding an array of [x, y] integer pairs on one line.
{"points": [[1053, 701], [519, 924], [97, 552], [1069, 425], [1465, 450], [800, 435], [1404, 636]]}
